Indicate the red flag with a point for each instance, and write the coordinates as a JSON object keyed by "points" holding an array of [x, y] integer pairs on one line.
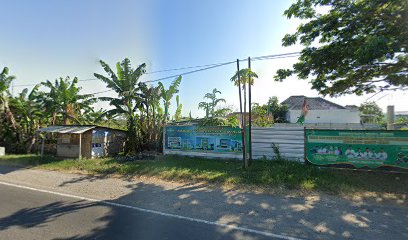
{"points": [[304, 108]]}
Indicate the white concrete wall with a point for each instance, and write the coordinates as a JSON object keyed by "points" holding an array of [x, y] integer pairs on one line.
{"points": [[326, 116]]}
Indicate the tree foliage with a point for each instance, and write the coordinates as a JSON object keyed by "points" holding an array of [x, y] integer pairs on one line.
{"points": [[355, 47], [125, 82], [267, 114], [371, 113], [211, 106], [167, 94], [64, 102]]}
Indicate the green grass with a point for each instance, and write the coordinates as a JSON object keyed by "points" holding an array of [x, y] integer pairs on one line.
{"points": [[275, 174]]}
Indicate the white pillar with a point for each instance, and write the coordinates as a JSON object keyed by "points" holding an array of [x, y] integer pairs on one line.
{"points": [[390, 117]]}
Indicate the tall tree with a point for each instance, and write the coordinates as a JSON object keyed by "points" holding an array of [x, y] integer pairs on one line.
{"points": [[125, 83], [246, 77], [354, 47]]}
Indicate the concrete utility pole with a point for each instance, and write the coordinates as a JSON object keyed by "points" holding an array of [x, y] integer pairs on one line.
{"points": [[242, 120], [250, 114], [390, 117]]}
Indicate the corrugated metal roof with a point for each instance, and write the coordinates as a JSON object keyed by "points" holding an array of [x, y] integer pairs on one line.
{"points": [[66, 129]]}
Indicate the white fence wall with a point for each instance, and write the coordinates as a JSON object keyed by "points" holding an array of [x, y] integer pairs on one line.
{"points": [[326, 116], [290, 141], [336, 126]]}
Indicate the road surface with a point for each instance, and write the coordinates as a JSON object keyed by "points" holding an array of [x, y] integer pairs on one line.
{"points": [[30, 214], [38, 204]]}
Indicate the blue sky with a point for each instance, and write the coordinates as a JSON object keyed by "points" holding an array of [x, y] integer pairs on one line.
{"points": [[46, 39]]}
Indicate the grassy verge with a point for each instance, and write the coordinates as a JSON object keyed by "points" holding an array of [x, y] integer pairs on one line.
{"points": [[290, 175]]}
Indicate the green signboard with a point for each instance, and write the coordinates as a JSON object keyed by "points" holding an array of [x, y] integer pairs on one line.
{"points": [[203, 139], [357, 148]]}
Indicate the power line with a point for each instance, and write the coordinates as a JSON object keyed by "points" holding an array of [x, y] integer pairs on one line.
{"points": [[202, 68], [95, 93], [213, 64], [198, 70]]}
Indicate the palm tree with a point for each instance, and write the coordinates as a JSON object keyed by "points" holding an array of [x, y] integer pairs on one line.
{"points": [[125, 83], [246, 77], [64, 101]]}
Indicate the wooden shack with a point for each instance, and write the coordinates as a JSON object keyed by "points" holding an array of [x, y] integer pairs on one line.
{"points": [[86, 141]]}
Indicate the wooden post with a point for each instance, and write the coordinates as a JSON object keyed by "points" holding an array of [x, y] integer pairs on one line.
{"points": [[80, 147], [242, 119], [42, 148], [164, 137], [250, 115]]}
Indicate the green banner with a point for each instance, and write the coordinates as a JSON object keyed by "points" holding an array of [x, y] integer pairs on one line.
{"points": [[357, 148], [203, 139]]}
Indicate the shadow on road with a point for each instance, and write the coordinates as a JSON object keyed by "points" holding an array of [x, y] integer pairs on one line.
{"points": [[38, 216]]}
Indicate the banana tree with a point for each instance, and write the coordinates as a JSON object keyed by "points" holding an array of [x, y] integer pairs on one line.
{"points": [[127, 105], [29, 114], [167, 95], [63, 101], [177, 115], [210, 107], [7, 119]]}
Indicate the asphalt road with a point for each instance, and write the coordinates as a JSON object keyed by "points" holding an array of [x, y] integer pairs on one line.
{"points": [[30, 214]]}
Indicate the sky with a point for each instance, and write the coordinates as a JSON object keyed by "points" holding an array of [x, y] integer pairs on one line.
{"points": [[46, 39]]}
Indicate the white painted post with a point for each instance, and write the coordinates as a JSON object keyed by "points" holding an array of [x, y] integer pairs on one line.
{"points": [[80, 147]]}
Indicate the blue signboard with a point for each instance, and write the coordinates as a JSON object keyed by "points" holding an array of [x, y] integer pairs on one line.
{"points": [[203, 139]]}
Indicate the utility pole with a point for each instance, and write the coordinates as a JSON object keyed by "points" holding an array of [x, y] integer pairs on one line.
{"points": [[242, 119], [250, 113]]}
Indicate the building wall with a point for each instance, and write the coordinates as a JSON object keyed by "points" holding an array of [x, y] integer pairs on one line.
{"points": [[111, 141], [326, 116], [68, 145]]}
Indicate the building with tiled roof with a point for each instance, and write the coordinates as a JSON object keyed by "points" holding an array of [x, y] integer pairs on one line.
{"points": [[320, 110]]}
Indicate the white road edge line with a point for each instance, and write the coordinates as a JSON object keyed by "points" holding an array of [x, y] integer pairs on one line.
{"points": [[249, 230]]}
